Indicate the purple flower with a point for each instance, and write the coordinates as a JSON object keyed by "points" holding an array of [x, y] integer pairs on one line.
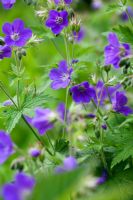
{"points": [[7, 103], [7, 4], [96, 4], [65, 1], [6, 147], [91, 115], [104, 126], [34, 152], [82, 93], [16, 33], [61, 76], [18, 190], [103, 93], [42, 120], [69, 164], [79, 36], [119, 105], [103, 178], [5, 52], [124, 15], [57, 21], [115, 51], [61, 111]]}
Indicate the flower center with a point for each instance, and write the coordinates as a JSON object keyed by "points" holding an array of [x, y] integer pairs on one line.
{"points": [[15, 36], [59, 20], [122, 51], [65, 77], [81, 88]]}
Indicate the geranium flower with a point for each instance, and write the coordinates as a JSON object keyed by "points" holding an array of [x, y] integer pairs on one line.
{"points": [[115, 51], [16, 33], [34, 152], [6, 146], [69, 164], [5, 51], [65, 1], [61, 76], [103, 93], [82, 93], [42, 120], [57, 21], [7, 4], [79, 36], [119, 104], [20, 188], [124, 15]]}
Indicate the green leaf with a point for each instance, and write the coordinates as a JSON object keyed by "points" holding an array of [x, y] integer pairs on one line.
{"points": [[125, 152], [32, 101], [13, 117], [125, 33]]}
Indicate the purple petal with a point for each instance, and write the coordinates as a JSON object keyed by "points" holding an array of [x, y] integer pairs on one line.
{"points": [[7, 28]]}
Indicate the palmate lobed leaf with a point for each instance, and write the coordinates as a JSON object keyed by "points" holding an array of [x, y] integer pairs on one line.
{"points": [[125, 33], [13, 117]]}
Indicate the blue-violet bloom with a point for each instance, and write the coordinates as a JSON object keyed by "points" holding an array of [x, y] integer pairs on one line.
{"points": [[79, 36], [60, 76], [119, 105], [6, 147], [115, 51], [69, 164], [57, 21], [7, 4], [43, 120], [82, 93], [16, 33], [20, 188], [5, 51], [124, 15]]}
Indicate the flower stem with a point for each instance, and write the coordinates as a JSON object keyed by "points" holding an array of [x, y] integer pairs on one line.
{"points": [[50, 142], [65, 114]]}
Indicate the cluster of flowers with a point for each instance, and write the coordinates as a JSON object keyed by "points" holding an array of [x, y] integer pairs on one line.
{"points": [[16, 35]]}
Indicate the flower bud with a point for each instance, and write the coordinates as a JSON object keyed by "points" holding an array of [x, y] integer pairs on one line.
{"points": [[18, 164], [107, 68]]}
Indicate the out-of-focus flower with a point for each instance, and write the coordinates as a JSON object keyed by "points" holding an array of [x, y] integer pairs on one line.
{"points": [[7, 4], [16, 33], [104, 126], [91, 115], [65, 1], [6, 147], [61, 76], [43, 120], [96, 4], [7, 103], [103, 93], [82, 93], [115, 51], [103, 178], [79, 36], [124, 15], [57, 21], [20, 188], [74, 61], [70, 163], [119, 104], [34, 152], [5, 51]]}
